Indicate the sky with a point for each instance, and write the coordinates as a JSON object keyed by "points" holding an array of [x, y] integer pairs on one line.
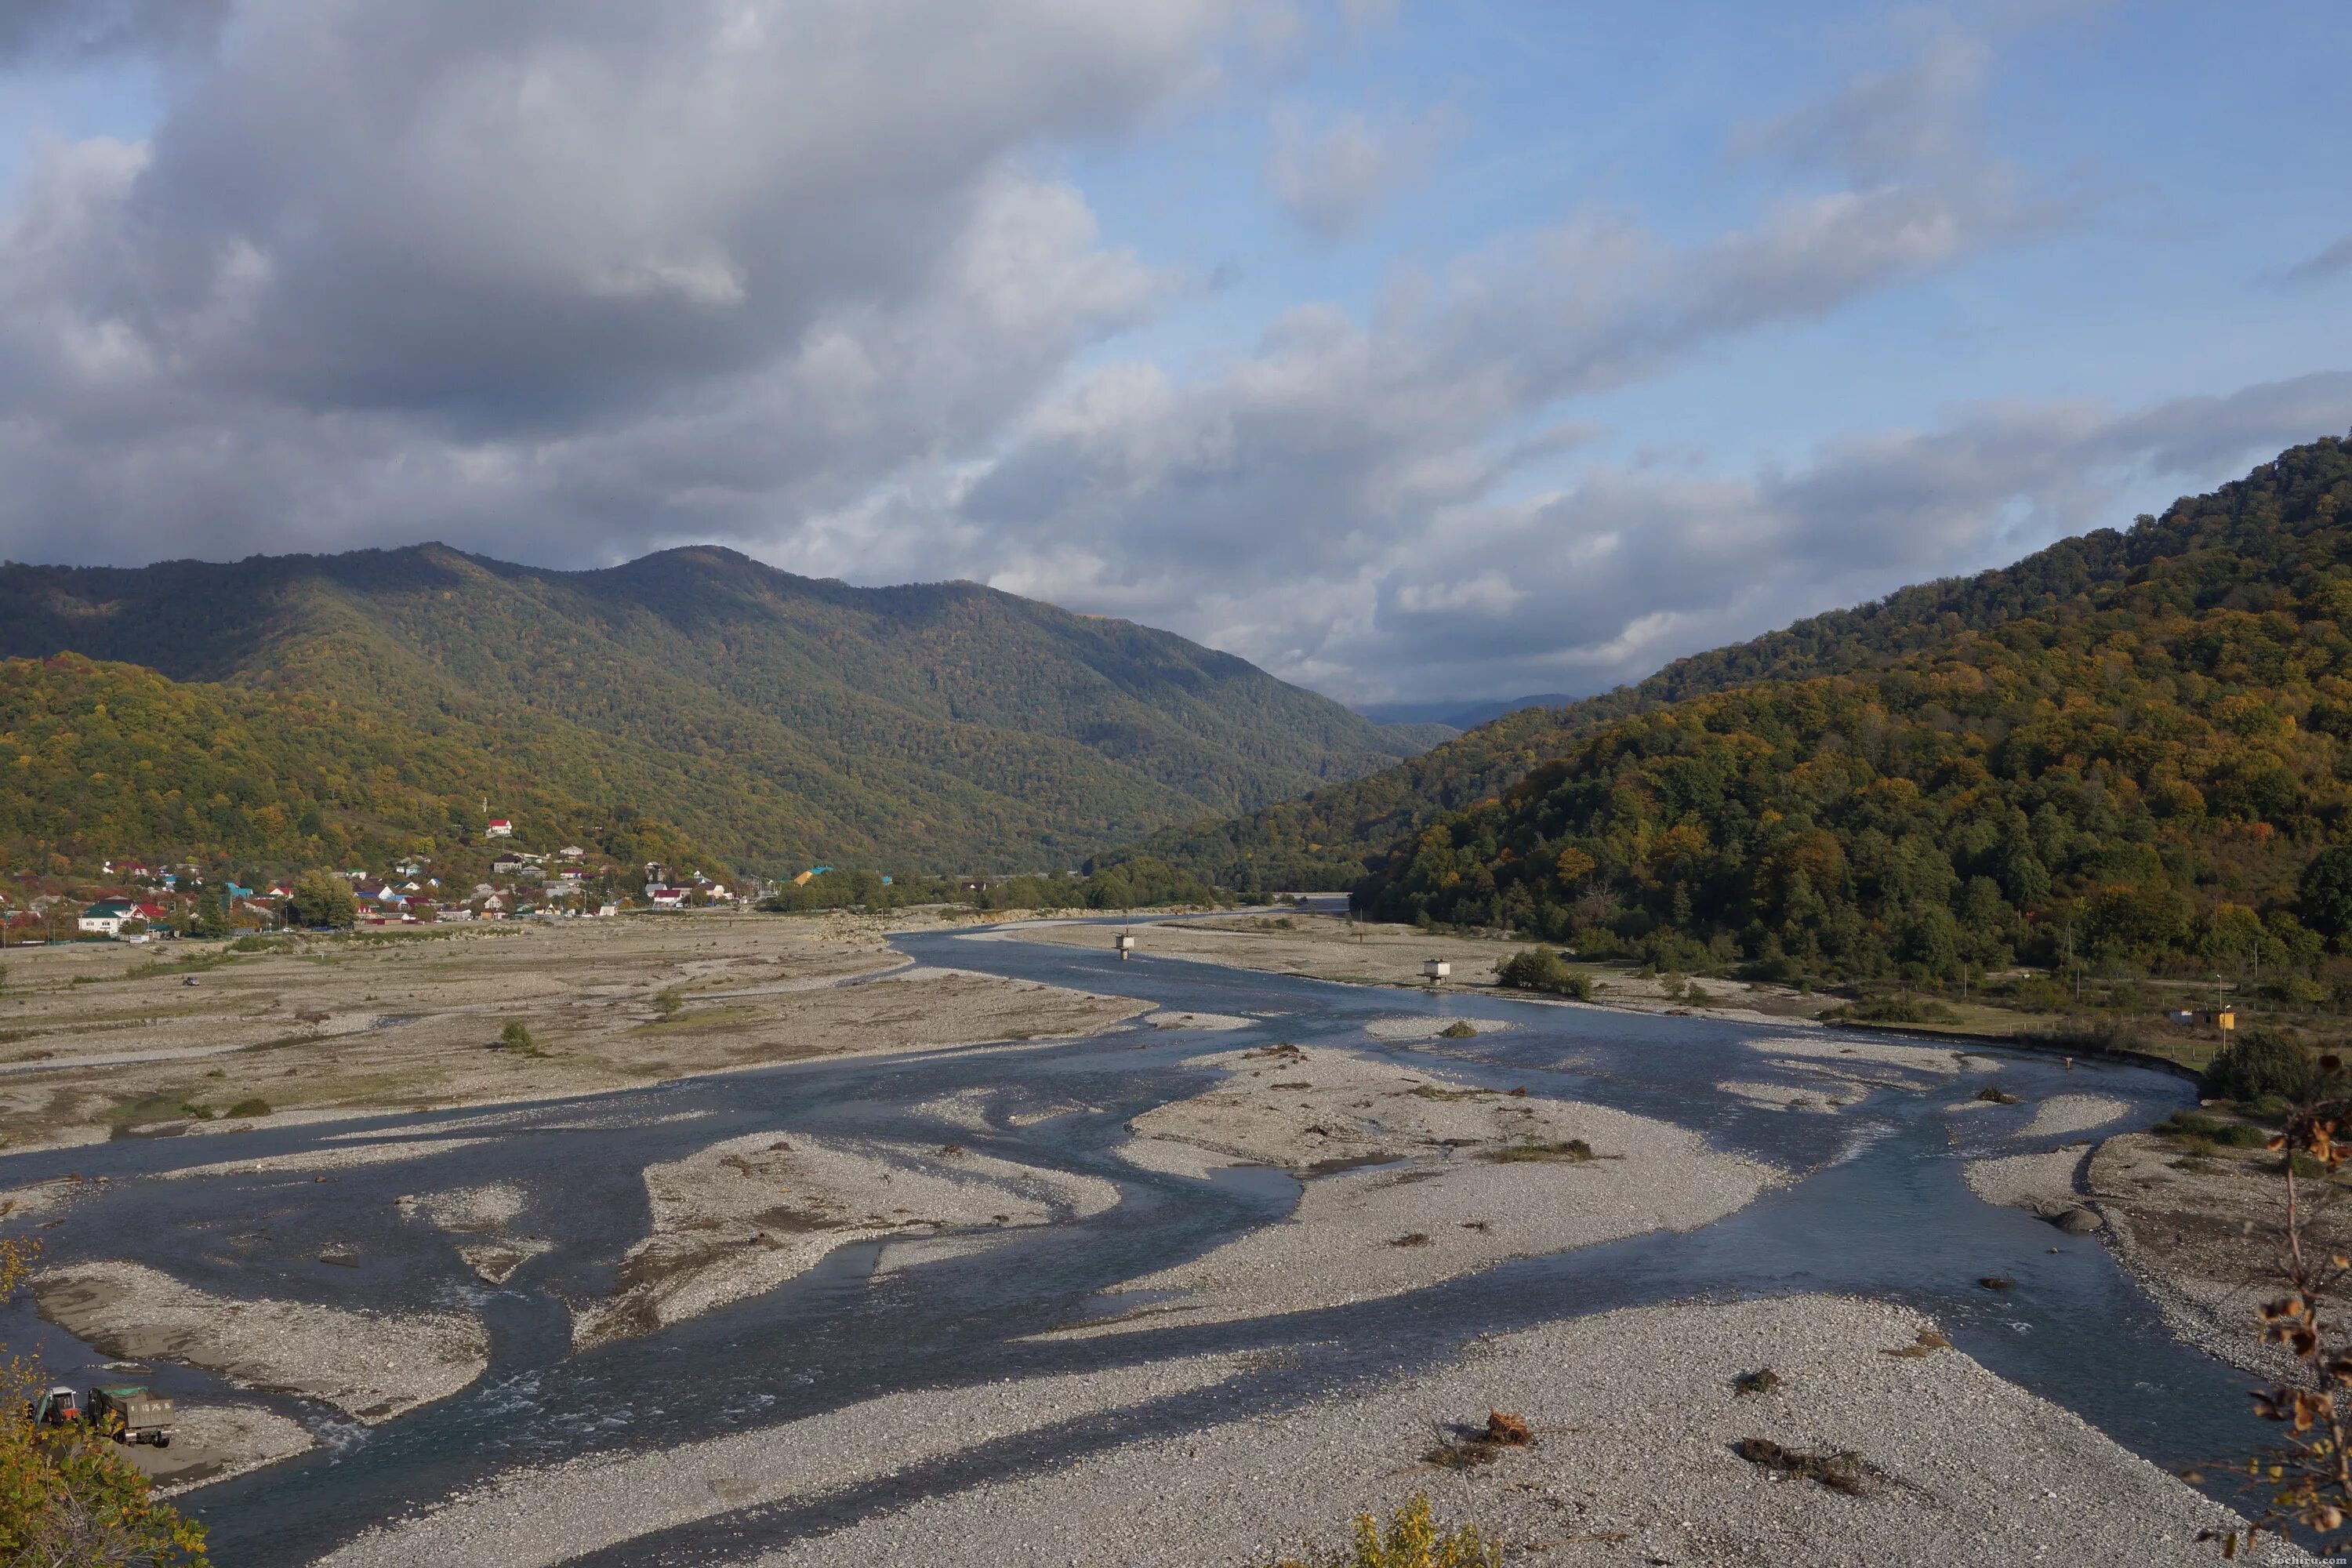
{"points": [[1415, 350]]}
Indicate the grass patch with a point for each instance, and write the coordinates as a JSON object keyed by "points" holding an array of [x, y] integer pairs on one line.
{"points": [[195, 963], [252, 1105], [2202, 1133], [1431, 1092]]}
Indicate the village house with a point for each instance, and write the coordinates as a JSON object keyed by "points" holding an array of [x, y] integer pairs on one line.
{"points": [[107, 916], [499, 828]]}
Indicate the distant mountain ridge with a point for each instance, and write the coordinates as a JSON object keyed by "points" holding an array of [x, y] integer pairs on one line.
{"points": [[772, 718], [1455, 714]]}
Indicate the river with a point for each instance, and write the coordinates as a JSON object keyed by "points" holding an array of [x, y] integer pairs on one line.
{"points": [[1883, 1211]]}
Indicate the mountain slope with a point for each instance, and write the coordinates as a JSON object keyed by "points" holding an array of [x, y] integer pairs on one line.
{"points": [[2138, 766], [775, 718], [1329, 836]]}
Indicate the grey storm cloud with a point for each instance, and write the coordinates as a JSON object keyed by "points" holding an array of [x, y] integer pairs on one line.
{"points": [[84, 30], [442, 267]]}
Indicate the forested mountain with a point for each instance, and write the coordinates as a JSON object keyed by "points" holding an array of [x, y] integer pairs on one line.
{"points": [[1333, 835], [772, 718], [2132, 746]]}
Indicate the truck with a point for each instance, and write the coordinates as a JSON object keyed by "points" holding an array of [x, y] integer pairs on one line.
{"points": [[130, 1413]]}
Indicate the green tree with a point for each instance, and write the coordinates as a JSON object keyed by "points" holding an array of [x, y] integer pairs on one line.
{"points": [[2323, 894], [1541, 969], [322, 899], [2261, 1062]]}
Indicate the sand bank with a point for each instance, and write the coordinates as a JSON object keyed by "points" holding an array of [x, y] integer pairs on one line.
{"points": [[1413, 1178], [486, 1217], [1634, 1421], [373, 1365], [213, 1442], [390, 1151], [745, 1215], [2074, 1113], [1409, 1026], [534, 1517], [2044, 1183]]}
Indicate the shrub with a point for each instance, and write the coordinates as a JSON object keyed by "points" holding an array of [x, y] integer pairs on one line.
{"points": [[1456, 1030], [669, 1002], [1412, 1542], [516, 1036], [1542, 969], [1904, 1008], [252, 1105], [2261, 1062]]}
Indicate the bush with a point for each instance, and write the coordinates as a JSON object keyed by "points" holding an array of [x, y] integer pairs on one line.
{"points": [[252, 1105], [516, 1036], [1541, 969], [1904, 1008], [1411, 1541], [2261, 1062]]}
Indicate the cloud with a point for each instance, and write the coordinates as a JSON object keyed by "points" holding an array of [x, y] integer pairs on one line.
{"points": [[1333, 174], [2332, 261], [1627, 569], [1920, 113], [523, 274], [568, 281], [83, 30]]}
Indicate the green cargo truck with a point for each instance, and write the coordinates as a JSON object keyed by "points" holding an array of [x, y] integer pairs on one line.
{"points": [[129, 1413]]}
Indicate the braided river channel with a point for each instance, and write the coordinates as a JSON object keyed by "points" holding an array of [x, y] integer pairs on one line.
{"points": [[1876, 1206]]}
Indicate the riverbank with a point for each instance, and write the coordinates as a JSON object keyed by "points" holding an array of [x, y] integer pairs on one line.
{"points": [[1635, 1418], [742, 1216], [109, 1040]]}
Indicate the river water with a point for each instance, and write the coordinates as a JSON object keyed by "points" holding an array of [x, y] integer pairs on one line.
{"points": [[1882, 1210]]}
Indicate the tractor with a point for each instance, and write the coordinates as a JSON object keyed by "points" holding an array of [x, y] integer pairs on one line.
{"points": [[54, 1408]]}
